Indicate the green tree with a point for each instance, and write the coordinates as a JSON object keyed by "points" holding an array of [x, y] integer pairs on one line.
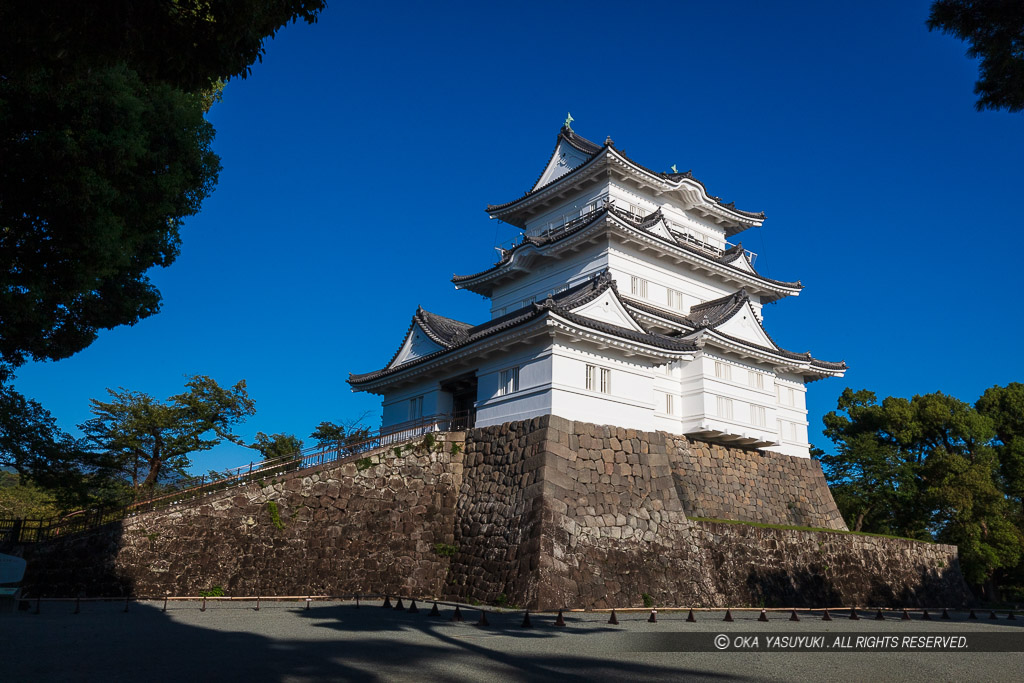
{"points": [[277, 446], [32, 444], [344, 437], [143, 441], [1004, 406], [874, 484], [105, 151], [924, 468], [994, 30], [21, 498]]}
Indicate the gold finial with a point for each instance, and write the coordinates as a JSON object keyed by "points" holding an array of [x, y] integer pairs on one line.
{"points": [[568, 120]]}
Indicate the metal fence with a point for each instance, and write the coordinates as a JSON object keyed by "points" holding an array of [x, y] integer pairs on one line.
{"points": [[36, 530]]}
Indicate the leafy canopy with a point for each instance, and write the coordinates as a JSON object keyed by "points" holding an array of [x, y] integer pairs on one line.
{"points": [[994, 29], [929, 467], [143, 441], [277, 446], [105, 151]]}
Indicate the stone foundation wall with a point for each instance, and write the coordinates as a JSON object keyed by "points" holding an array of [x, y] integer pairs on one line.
{"points": [[342, 529], [751, 565], [751, 486], [498, 516], [544, 513]]}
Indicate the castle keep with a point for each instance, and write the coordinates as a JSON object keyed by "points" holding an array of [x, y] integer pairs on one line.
{"points": [[622, 302]]}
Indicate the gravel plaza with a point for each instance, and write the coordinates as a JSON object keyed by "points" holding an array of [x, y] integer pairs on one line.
{"points": [[285, 641]]}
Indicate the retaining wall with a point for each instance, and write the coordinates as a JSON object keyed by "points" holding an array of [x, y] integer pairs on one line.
{"points": [[543, 513]]}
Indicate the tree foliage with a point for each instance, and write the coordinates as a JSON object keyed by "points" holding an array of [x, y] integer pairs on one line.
{"points": [[930, 468], [994, 30], [276, 446], [105, 151], [343, 437], [141, 440], [21, 498]]}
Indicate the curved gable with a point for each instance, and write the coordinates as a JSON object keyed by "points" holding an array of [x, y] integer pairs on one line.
{"points": [[416, 345]]}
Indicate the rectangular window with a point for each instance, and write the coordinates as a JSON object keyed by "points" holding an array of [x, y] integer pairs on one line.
{"points": [[675, 299], [670, 407], [787, 396], [508, 382], [723, 370], [527, 302], [638, 286], [756, 379], [416, 408], [599, 379], [724, 407], [792, 431], [757, 416]]}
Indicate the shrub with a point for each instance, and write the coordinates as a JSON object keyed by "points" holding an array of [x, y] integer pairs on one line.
{"points": [[275, 515], [648, 600], [445, 549]]}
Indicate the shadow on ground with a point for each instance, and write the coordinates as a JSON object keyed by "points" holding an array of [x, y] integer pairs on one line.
{"points": [[232, 641]]}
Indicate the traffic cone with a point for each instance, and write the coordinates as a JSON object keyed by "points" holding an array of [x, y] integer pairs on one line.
{"points": [[483, 619], [763, 616], [653, 619], [826, 616], [457, 615], [728, 615], [690, 618], [906, 615], [387, 602], [399, 605], [434, 612], [853, 614], [879, 616], [559, 621], [925, 616], [526, 621], [945, 613], [972, 615], [794, 617], [413, 609], [613, 620]]}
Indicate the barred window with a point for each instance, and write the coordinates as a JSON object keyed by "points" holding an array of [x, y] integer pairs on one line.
{"points": [[508, 381]]}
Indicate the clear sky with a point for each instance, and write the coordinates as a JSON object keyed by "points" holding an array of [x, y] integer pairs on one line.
{"points": [[359, 156]]}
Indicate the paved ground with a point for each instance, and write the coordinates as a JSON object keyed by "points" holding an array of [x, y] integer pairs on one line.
{"points": [[336, 641]]}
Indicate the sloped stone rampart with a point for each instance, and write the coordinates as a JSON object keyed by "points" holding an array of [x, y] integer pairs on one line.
{"points": [[544, 513], [719, 482], [362, 526], [750, 565]]}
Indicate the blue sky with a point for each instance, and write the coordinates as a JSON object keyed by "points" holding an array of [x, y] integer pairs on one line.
{"points": [[359, 156]]}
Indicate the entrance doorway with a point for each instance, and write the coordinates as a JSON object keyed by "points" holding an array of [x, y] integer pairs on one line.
{"points": [[463, 392]]}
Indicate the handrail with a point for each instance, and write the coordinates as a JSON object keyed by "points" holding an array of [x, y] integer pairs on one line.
{"points": [[16, 530]]}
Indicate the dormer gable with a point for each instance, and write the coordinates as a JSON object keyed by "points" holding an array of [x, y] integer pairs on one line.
{"points": [[607, 308], [571, 152], [744, 324], [416, 345]]}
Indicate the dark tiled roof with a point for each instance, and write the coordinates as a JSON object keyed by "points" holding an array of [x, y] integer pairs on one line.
{"points": [[557, 304], [711, 314], [444, 331], [715, 312], [792, 355], [592, 149], [539, 241], [725, 259]]}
